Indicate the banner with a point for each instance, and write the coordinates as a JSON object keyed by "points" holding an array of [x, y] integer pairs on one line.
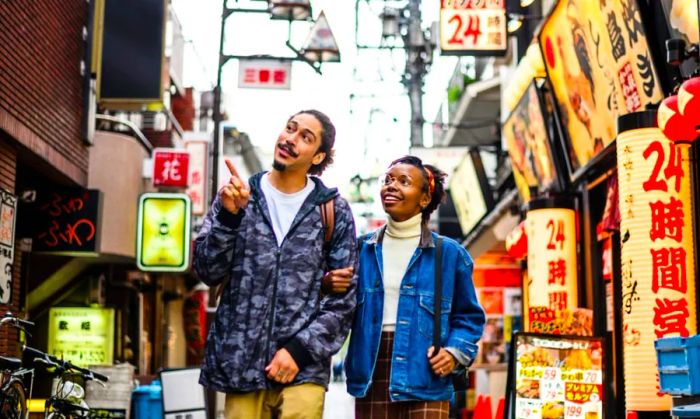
{"points": [[600, 67]]}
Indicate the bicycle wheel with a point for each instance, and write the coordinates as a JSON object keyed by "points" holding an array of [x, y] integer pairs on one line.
{"points": [[14, 400]]}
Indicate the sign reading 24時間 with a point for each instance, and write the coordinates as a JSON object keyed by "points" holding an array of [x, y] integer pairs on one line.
{"points": [[473, 27]]}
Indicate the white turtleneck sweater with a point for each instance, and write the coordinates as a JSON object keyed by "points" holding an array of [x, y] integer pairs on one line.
{"points": [[400, 241]]}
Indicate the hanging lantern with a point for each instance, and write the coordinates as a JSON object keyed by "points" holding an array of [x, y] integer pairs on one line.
{"points": [[516, 242], [689, 101], [674, 126]]}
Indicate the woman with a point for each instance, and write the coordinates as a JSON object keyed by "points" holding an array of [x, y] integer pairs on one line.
{"points": [[390, 367]]}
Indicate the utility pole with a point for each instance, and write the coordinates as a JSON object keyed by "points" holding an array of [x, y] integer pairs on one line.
{"points": [[217, 117], [416, 67]]}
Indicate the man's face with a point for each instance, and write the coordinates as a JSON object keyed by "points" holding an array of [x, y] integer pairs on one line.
{"points": [[297, 145]]}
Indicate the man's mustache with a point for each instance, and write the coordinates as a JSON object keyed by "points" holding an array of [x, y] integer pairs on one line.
{"points": [[288, 149]]}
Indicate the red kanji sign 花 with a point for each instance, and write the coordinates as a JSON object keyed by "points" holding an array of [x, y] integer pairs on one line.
{"points": [[170, 168]]}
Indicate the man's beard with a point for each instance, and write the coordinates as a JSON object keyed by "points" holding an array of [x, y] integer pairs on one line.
{"points": [[280, 167]]}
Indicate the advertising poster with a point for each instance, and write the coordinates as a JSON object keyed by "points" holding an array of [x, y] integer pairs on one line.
{"points": [[526, 139], [598, 61], [558, 377]]}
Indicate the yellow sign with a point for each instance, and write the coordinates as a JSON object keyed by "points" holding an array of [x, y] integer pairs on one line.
{"points": [[163, 242], [658, 256], [551, 256], [82, 335], [600, 67]]}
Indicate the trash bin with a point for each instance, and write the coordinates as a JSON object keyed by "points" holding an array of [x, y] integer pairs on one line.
{"points": [[147, 401], [687, 411]]}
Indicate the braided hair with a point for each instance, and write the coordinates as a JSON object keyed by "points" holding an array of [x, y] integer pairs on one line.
{"points": [[433, 183]]}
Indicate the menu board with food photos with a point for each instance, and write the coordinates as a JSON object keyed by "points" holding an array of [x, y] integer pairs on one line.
{"points": [[558, 377]]}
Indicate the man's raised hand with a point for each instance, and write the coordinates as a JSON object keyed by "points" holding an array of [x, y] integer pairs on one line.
{"points": [[235, 194]]}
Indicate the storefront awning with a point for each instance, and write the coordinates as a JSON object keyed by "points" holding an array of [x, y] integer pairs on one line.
{"points": [[477, 115]]}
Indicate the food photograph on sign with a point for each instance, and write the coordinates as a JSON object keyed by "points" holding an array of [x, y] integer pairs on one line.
{"points": [[558, 377], [527, 141], [598, 61]]}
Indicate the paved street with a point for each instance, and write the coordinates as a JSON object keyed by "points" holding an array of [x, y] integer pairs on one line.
{"points": [[339, 404]]}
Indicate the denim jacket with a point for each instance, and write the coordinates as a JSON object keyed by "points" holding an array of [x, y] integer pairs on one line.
{"points": [[461, 324]]}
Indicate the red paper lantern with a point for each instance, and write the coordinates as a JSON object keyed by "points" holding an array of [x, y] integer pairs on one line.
{"points": [[516, 242], [674, 126], [689, 100]]}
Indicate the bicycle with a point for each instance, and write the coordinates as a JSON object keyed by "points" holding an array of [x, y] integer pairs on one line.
{"points": [[13, 391], [69, 399]]}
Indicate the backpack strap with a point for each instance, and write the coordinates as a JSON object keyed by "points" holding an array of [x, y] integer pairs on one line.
{"points": [[328, 222], [438, 296]]}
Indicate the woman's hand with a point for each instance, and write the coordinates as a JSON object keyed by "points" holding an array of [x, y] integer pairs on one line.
{"points": [[337, 281], [443, 363]]}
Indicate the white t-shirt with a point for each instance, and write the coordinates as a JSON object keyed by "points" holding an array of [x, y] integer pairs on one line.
{"points": [[283, 207]]}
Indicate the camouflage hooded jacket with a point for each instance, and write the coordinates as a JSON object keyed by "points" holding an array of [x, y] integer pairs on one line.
{"points": [[273, 299]]}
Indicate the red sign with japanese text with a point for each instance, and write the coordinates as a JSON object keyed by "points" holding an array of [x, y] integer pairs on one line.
{"points": [[265, 74], [473, 27], [198, 148], [170, 167]]}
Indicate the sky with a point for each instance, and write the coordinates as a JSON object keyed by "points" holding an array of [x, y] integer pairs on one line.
{"points": [[372, 126]]}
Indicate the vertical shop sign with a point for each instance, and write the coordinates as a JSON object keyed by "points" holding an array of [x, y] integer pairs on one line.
{"points": [[551, 263], [197, 190], [658, 269], [8, 209]]}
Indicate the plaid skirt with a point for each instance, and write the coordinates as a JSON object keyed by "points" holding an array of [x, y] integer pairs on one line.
{"points": [[378, 405]]}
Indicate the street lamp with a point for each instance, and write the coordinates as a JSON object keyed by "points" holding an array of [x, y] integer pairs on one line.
{"points": [[289, 9], [390, 22]]}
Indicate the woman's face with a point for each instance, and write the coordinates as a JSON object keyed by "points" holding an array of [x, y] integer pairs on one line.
{"points": [[403, 192]]}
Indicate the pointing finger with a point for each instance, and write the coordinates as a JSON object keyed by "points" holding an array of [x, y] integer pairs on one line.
{"points": [[232, 168]]}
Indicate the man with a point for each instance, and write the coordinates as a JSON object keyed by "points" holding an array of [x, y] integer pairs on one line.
{"points": [[270, 345]]}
